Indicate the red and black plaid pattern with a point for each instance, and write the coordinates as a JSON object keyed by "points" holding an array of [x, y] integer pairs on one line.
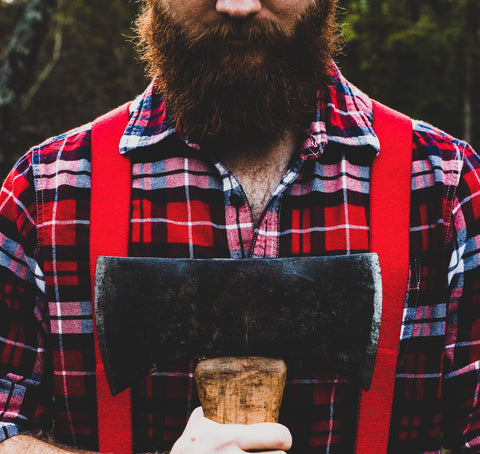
{"points": [[185, 205]]}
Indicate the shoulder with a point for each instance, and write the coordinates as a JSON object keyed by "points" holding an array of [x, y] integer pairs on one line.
{"points": [[432, 140], [447, 158], [60, 160], [448, 166], [67, 147]]}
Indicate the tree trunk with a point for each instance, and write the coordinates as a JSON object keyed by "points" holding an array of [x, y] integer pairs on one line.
{"points": [[17, 68]]}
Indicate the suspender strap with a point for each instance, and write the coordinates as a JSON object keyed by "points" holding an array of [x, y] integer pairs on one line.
{"points": [[390, 225], [109, 235]]}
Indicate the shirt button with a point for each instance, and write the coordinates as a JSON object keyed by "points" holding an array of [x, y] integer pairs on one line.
{"points": [[236, 200]]}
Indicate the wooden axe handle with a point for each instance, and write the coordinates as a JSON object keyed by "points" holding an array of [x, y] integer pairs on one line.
{"points": [[244, 390]]}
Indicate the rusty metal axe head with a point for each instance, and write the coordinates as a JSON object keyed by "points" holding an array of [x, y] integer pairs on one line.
{"points": [[150, 311]]}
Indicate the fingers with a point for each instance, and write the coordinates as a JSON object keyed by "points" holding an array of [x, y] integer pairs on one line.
{"points": [[271, 452], [202, 436], [265, 436], [196, 415]]}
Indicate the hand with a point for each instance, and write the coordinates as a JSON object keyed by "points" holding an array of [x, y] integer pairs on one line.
{"points": [[203, 436]]}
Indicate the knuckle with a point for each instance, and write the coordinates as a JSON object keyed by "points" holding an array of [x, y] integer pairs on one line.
{"points": [[198, 411], [224, 436]]}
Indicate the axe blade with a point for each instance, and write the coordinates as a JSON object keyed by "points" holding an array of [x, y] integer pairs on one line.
{"points": [[151, 311]]}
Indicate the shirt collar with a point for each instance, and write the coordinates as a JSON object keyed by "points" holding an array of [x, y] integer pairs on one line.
{"points": [[343, 115]]}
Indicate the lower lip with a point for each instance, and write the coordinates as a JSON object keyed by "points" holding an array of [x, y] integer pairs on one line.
{"points": [[240, 43]]}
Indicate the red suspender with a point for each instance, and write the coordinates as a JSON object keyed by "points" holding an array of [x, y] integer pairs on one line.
{"points": [[390, 221], [390, 225], [109, 235]]}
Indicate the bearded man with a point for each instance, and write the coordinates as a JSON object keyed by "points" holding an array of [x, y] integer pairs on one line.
{"points": [[248, 143]]}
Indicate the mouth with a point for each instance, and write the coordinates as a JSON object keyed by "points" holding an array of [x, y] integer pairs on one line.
{"points": [[240, 43]]}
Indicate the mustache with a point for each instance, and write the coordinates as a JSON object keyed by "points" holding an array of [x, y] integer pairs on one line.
{"points": [[265, 33]]}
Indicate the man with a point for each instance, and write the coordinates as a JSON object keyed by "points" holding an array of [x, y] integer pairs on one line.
{"points": [[249, 143]]}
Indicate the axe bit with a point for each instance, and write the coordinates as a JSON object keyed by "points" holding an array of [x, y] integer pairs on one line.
{"points": [[240, 318]]}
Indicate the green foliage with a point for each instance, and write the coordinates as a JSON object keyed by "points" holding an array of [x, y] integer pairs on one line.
{"points": [[413, 54], [97, 69]]}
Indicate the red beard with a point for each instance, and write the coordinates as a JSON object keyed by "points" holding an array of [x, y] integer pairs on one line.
{"points": [[242, 82]]}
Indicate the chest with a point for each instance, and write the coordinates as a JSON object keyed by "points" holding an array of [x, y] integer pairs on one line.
{"points": [[258, 184], [258, 176], [181, 207], [197, 210]]}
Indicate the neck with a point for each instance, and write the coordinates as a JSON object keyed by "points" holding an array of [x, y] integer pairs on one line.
{"points": [[260, 169]]}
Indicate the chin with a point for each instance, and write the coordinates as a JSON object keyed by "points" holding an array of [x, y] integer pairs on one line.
{"points": [[242, 56]]}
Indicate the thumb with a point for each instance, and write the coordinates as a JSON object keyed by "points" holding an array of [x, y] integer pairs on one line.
{"points": [[196, 415]]}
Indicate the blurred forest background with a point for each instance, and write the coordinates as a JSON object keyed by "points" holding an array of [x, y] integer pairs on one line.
{"points": [[63, 62]]}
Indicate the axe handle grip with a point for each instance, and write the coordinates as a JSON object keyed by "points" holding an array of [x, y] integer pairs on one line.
{"points": [[243, 390]]}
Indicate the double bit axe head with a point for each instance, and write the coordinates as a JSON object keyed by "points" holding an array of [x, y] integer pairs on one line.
{"points": [[151, 311]]}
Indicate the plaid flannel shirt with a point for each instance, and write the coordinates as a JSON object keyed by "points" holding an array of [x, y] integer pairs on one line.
{"points": [[185, 205]]}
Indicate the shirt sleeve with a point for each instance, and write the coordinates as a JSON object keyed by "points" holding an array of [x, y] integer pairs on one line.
{"points": [[462, 349], [25, 388]]}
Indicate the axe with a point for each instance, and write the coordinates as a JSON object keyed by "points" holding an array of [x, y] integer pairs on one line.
{"points": [[239, 319]]}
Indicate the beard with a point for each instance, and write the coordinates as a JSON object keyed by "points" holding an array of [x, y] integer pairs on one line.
{"points": [[238, 82]]}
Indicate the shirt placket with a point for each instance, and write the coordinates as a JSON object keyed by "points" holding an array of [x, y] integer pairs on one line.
{"points": [[266, 237], [238, 216], [245, 240]]}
